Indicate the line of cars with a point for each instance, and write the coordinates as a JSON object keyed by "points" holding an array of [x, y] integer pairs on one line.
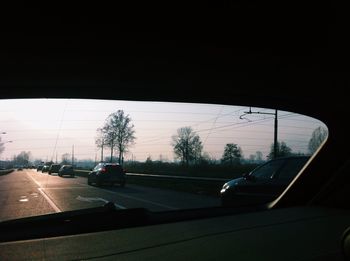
{"points": [[263, 184], [110, 173], [61, 170]]}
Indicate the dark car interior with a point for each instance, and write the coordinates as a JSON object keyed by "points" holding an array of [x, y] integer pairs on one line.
{"points": [[295, 59]]}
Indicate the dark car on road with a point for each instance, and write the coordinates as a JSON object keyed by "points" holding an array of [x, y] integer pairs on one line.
{"points": [[45, 168], [66, 170], [264, 183], [110, 173], [54, 168], [39, 168]]}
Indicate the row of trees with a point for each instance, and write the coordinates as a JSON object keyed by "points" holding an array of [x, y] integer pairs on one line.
{"points": [[118, 134]]}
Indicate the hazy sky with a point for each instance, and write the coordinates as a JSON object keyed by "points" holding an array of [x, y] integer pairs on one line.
{"points": [[50, 127]]}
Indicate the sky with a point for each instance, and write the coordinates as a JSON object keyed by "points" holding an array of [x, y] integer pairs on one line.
{"points": [[49, 128]]}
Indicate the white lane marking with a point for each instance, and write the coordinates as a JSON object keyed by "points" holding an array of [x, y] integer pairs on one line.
{"points": [[134, 198], [81, 187], [130, 197], [139, 199], [51, 203], [125, 196], [36, 182], [98, 199]]}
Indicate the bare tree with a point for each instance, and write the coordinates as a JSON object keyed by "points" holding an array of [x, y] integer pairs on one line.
{"points": [[258, 156], [283, 150], [66, 159], [187, 145], [317, 137], [22, 158], [232, 154], [100, 141], [118, 133]]}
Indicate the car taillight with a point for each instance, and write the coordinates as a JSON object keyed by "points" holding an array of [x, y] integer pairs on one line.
{"points": [[103, 170], [124, 170]]}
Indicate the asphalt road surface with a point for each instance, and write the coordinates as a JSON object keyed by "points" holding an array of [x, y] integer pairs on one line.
{"points": [[30, 193]]}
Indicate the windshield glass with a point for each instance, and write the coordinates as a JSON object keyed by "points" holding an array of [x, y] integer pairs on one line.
{"points": [[169, 155]]}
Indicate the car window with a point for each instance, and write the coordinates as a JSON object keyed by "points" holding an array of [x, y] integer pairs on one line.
{"points": [[168, 155], [113, 167], [268, 170]]}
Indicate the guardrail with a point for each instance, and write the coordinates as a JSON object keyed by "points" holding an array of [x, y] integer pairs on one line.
{"points": [[197, 185], [177, 177], [6, 171], [84, 173]]}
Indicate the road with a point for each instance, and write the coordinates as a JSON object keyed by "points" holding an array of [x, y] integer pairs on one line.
{"points": [[30, 193]]}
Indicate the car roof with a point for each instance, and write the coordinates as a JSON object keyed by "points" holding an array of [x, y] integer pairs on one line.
{"points": [[242, 71]]}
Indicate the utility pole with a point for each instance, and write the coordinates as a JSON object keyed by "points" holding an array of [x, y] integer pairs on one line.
{"points": [[111, 159], [275, 140], [73, 155], [102, 151]]}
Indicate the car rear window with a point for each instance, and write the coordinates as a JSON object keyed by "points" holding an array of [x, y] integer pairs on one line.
{"points": [[177, 155], [267, 171], [113, 168]]}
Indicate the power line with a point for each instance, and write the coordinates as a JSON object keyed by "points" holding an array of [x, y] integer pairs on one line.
{"points": [[60, 126]]}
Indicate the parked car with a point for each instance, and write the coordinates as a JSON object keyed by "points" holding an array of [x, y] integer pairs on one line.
{"points": [[107, 173], [39, 168], [264, 183], [45, 168], [66, 170], [54, 168]]}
